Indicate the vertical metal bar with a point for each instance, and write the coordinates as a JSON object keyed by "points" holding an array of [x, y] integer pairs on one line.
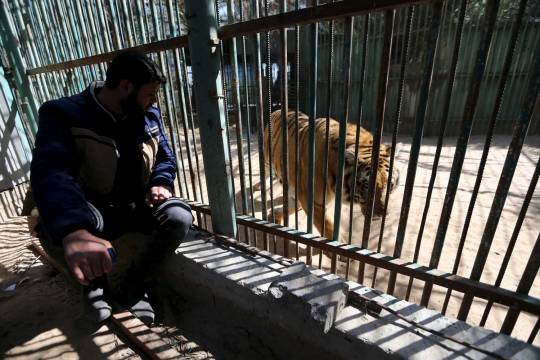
{"points": [[248, 124], [260, 122], [377, 138], [493, 120], [314, 30], [404, 58], [203, 27], [82, 23], [534, 331], [127, 22], [514, 237], [514, 151], [15, 60], [50, 31], [115, 25], [270, 126], [184, 78], [358, 127], [27, 33], [446, 106], [107, 42], [418, 132], [140, 15], [296, 134], [238, 108], [523, 287], [461, 147], [285, 129], [93, 24], [39, 38], [343, 117], [327, 130]]}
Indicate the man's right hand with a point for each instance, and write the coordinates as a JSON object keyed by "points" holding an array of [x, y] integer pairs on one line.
{"points": [[87, 255]]}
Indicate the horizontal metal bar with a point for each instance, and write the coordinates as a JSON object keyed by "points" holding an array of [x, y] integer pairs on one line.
{"points": [[153, 47], [455, 282], [314, 14]]}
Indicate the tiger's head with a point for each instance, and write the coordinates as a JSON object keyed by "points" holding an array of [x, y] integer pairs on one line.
{"points": [[363, 172]]}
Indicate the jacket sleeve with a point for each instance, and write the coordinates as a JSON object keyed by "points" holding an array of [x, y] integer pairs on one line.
{"points": [[164, 171], [53, 171]]}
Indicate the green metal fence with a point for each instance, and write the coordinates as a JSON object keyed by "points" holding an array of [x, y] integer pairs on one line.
{"points": [[397, 67]]}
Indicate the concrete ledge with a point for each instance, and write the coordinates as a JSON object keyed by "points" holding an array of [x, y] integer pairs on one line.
{"points": [[227, 299]]}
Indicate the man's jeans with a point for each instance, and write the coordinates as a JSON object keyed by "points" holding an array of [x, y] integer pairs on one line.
{"points": [[167, 224]]}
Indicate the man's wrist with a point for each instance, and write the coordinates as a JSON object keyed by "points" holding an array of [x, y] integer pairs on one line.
{"points": [[74, 235]]}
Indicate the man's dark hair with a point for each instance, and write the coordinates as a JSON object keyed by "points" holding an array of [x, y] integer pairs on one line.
{"points": [[135, 67]]}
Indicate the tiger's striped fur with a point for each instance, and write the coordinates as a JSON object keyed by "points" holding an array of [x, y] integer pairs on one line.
{"points": [[363, 168]]}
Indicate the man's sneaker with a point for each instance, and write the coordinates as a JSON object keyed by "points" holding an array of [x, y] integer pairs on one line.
{"points": [[97, 300], [136, 300]]}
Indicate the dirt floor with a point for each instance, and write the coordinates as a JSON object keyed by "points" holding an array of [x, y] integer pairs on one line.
{"points": [[42, 317], [498, 151]]}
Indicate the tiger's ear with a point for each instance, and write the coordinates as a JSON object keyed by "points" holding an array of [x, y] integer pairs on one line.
{"points": [[349, 156], [397, 150]]}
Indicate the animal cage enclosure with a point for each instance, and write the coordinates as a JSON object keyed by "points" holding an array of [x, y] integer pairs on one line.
{"points": [[453, 84]]}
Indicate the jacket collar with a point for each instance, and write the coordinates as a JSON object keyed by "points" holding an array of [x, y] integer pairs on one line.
{"points": [[97, 85]]}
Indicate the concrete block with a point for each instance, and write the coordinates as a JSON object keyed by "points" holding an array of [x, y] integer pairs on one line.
{"points": [[308, 295]]}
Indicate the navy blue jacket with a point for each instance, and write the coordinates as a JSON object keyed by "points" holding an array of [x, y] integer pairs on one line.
{"points": [[76, 158]]}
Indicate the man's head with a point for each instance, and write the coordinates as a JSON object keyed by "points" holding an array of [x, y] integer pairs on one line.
{"points": [[136, 79]]}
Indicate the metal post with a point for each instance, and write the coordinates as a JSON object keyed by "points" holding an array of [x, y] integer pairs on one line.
{"points": [[202, 36], [9, 42]]}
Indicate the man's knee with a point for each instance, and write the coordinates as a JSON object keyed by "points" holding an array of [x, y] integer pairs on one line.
{"points": [[174, 213]]}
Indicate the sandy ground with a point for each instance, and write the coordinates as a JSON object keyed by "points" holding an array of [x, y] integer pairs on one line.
{"points": [[499, 148], [42, 318]]}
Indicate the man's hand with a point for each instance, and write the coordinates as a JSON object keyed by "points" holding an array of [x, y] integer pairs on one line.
{"points": [[87, 255], [157, 195]]}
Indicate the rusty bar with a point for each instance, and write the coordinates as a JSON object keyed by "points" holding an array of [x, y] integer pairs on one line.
{"points": [[493, 121], [260, 122], [285, 128], [233, 55], [296, 134], [126, 21], [458, 283], [248, 123], [514, 151], [140, 15], [534, 331], [154, 47], [343, 118], [314, 44], [466, 127], [112, 14], [327, 132], [181, 94], [270, 125], [421, 111], [440, 139], [377, 137], [314, 14], [523, 287], [404, 56]]}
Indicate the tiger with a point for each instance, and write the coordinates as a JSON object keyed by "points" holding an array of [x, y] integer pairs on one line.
{"points": [[363, 169]]}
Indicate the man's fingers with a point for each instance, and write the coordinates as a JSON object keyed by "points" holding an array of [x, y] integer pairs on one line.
{"points": [[79, 275], [148, 200], [106, 263], [87, 271], [97, 267]]}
